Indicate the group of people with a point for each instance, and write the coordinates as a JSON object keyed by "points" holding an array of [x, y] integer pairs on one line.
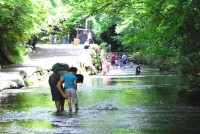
{"points": [[60, 93], [70, 78], [113, 61]]}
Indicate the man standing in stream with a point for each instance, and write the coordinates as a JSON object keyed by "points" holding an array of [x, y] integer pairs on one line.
{"points": [[70, 88], [58, 70]]}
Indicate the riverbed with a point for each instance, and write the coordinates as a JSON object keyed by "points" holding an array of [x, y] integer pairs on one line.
{"points": [[120, 103]]}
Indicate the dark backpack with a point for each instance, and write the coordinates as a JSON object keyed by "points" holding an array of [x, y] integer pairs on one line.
{"points": [[60, 66], [58, 69]]}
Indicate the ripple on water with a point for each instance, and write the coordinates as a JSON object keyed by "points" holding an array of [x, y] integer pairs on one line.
{"points": [[111, 104]]}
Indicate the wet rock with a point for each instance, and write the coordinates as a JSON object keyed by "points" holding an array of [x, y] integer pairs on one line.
{"points": [[70, 122], [23, 78], [37, 76], [11, 81], [104, 107], [23, 74]]}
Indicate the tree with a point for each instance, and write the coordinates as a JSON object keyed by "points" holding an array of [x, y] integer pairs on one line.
{"points": [[19, 19], [166, 30]]}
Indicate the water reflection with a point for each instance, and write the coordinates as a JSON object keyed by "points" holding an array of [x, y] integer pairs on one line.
{"points": [[113, 104]]}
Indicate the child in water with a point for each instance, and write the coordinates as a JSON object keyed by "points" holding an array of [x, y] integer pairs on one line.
{"points": [[121, 64], [131, 64], [138, 69]]}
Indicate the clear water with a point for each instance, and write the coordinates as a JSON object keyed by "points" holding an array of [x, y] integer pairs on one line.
{"points": [[117, 104]]}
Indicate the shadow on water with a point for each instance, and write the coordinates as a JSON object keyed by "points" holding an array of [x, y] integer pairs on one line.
{"points": [[120, 103]]}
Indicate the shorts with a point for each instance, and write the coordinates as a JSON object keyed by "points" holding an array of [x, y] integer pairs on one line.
{"points": [[124, 62], [56, 95], [138, 72], [71, 94], [112, 62]]}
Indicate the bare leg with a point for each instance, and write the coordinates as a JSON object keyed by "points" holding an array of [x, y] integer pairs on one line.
{"points": [[57, 103], [62, 103], [76, 107], [69, 104]]}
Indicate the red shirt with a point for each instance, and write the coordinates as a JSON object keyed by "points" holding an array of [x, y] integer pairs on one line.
{"points": [[113, 57]]}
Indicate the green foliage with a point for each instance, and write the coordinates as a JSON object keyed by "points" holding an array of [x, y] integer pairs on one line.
{"points": [[195, 81], [19, 19], [17, 53], [103, 49], [103, 45], [153, 30]]}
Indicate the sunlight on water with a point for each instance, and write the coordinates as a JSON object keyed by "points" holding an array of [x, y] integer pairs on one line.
{"points": [[119, 103]]}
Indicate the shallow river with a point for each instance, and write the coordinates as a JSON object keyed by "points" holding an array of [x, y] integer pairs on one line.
{"points": [[117, 104]]}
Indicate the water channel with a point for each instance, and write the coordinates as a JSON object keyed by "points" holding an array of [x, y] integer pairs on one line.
{"points": [[117, 104]]}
